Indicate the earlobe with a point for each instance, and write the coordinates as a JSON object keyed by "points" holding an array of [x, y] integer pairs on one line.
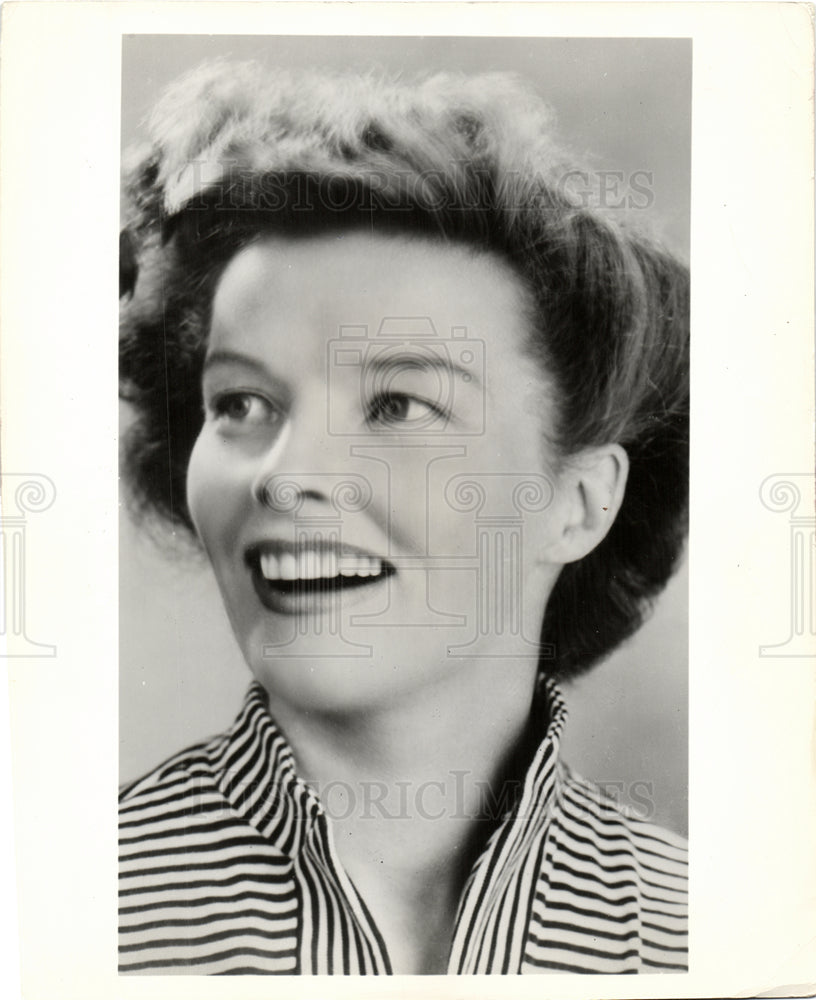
{"points": [[593, 484]]}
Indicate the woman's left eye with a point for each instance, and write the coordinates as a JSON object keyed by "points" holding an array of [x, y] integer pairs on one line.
{"points": [[393, 409]]}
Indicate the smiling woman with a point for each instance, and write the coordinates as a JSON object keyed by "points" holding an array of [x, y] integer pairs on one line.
{"points": [[276, 309], [417, 402]]}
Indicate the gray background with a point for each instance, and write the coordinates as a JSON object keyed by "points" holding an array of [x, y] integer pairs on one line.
{"points": [[627, 104]]}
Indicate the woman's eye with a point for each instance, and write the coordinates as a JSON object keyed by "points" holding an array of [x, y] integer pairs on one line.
{"points": [[398, 409], [243, 409]]}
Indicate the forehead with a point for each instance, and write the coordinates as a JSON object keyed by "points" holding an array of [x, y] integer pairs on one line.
{"points": [[359, 278]]}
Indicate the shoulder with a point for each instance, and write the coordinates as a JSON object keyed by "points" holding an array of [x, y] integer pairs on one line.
{"points": [[583, 803], [615, 877], [170, 808], [196, 880], [184, 774], [178, 824]]}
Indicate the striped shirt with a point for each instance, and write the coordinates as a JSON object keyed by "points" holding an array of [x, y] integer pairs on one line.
{"points": [[228, 867]]}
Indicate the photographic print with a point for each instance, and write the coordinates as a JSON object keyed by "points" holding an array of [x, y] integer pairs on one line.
{"points": [[404, 362]]}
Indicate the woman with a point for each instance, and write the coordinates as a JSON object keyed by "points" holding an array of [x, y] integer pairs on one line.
{"points": [[427, 415]]}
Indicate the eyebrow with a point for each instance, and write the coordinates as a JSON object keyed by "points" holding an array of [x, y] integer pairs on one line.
{"points": [[227, 357], [423, 363], [223, 357]]}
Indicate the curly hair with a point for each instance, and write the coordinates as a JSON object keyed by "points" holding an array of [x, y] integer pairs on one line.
{"points": [[236, 151]]}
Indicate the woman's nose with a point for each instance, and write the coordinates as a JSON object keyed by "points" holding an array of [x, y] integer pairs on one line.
{"points": [[300, 465]]}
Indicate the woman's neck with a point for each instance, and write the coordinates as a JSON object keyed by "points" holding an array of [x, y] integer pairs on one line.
{"points": [[411, 790]]}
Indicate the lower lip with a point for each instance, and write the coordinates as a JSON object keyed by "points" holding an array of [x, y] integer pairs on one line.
{"points": [[313, 602]]}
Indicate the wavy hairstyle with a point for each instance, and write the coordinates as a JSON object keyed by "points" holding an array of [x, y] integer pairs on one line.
{"points": [[236, 151]]}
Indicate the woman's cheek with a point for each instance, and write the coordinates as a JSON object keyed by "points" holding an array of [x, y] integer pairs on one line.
{"points": [[214, 489], [196, 480]]}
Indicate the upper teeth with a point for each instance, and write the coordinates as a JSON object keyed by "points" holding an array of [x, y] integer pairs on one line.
{"points": [[309, 564]]}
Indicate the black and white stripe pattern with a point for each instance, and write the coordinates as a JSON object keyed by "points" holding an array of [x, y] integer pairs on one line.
{"points": [[228, 868]]}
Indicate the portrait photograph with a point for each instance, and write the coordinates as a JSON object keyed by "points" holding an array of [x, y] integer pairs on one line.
{"points": [[405, 381]]}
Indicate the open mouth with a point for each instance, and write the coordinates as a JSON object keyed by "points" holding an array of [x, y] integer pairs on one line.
{"points": [[306, 577]]}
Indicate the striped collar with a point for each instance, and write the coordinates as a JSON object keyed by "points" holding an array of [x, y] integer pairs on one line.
{"points": [[256, 772], [258, 776]]}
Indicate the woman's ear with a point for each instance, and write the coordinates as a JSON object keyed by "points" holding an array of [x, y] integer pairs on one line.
{"points": [[592, 485]]}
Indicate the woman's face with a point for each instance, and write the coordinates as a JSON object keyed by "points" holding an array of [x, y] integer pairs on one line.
{"points": [[372, 482]]}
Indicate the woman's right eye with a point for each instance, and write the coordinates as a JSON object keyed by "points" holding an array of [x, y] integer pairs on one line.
{"points": [[243, 410]]}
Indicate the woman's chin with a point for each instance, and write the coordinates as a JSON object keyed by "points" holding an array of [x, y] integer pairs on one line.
{"points": [[329, 684], [321, 671]]}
